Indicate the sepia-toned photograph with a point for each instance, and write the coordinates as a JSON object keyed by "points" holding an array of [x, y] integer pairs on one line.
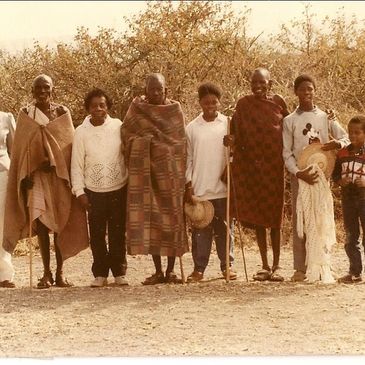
{"points": [[182, 180]]}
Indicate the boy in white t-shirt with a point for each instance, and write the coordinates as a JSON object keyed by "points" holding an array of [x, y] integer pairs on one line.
{"points": [[205, 165]]}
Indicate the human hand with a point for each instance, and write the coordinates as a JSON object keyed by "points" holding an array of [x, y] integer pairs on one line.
{"points": [[188, 196], [27, 183], [84, 201], [228, 140], [359, 182], [331, 145], [344, 181], [308, 176], [46, 166], [331, 114]]}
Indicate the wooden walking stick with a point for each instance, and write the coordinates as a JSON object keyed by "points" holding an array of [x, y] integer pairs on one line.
{"points": [[29, 196], [182, 270], [239, 228], [228, 231]]}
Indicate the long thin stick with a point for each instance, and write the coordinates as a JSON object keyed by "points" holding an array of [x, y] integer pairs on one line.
{"points": [[228, 231], [239, 228], [182, 270], [30, 227]]}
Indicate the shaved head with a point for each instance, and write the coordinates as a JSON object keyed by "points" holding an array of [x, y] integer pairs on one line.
{"points": [[155, 89], [156, 76], [42, 77], [262, 71]]}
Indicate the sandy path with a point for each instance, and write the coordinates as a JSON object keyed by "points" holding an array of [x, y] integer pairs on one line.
{"points": [[208, 318]]}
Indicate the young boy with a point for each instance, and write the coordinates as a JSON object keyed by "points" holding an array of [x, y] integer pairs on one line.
{"points": [[205, 165], [349, 173], [305, 125]]}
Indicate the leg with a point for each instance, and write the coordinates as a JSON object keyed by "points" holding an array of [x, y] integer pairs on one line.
{"points": [[261, 241], [352, 229], [362, 220], [97, 226], [171, 277], [275, 235], [299, 251], [170, 264], [158, 277], [6, 267], [201, 247], [44, 246], [157, 263], [116, 232], [60, 280], [59, 260], [219, 226]]}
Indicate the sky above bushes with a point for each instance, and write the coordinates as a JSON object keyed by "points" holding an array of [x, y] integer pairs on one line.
{"points": [[49, 22]]}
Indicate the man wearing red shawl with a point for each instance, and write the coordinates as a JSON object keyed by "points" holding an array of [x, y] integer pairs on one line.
{"points": [[258, 168]]}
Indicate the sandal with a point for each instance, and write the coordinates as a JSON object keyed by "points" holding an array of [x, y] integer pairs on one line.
{"points": [[275, 275], [232, 274], [157, 278], [46, 281], [62, 282], [7, 284], [350, 279], [262, 275], [171, 278]]}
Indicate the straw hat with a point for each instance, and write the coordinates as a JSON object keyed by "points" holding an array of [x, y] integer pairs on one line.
{"points": [[200, 213], [313, 154]]}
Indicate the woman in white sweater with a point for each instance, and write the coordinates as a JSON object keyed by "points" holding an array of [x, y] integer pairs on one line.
{"points": [[99, 181]]}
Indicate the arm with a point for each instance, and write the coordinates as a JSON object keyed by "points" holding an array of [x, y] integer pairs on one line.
{"points": [[336, 133], [339, 133], [278, 99], [10, 136], [189, 166], [288, 145], [230, 139], [336, 174], [78, 164]]}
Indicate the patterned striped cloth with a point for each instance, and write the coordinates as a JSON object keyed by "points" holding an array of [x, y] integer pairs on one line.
{"points": [[155, 152]]}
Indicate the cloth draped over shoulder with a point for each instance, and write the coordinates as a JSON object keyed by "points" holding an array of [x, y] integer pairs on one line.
{"points": [[153, 137], [50, 199], [315, 219], [257, 167]]}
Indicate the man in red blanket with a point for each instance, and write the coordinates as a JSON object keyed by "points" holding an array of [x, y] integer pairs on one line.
{"points": [[258, 167]]}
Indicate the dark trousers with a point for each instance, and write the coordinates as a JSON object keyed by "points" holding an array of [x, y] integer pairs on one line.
{"points": [[202, 238], [353, 207], [108, 212]]}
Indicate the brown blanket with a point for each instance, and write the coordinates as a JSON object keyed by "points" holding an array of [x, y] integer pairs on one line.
{"points": [[33, 145], [155, 152]]}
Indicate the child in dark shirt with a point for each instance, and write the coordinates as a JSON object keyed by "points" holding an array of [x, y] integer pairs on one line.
{"points": [[349, 173]]}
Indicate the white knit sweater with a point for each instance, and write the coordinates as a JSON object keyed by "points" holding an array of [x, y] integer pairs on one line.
{"points": [[97, 162]]}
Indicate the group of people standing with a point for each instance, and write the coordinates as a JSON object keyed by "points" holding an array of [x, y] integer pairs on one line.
{"points": [[131, 179]]}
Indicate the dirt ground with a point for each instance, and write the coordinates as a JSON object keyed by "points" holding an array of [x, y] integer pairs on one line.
{"points": [[207, 318]]}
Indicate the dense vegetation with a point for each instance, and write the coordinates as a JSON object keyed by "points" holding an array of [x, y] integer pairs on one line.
{"points": [[189, 43]]}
